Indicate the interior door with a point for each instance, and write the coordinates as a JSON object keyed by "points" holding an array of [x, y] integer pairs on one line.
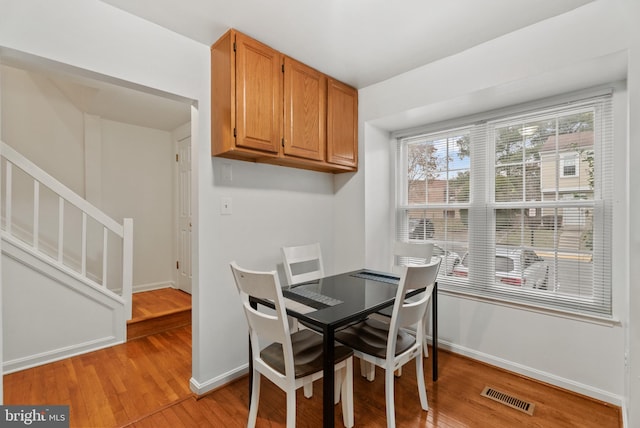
{"points": [[184, 214]]}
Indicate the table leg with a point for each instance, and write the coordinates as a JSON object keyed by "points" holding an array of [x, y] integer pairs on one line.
{"points": [[328, 378], [254, 306], [434, 331]]}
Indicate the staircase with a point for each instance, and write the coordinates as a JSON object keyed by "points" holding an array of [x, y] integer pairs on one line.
{"points": [[157, 311], [67, 268]]}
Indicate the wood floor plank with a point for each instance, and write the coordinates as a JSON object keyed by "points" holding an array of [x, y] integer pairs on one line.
{"points": [[113, 386], [145, 383]]}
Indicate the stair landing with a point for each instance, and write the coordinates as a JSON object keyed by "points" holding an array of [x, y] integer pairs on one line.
{"points": [[159, 310]]}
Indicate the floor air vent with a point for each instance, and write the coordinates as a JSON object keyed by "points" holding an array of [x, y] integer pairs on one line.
{"points": [[508, 400]]}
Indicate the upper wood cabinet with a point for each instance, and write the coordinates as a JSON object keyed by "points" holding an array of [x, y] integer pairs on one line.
{"points": [[305, 111], [246, 98], [268, 107], [258, 95], [342, 124]]}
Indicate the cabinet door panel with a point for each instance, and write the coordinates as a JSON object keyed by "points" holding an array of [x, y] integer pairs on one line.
{"points": [[342, 124], [258, 95], [305, 94]]}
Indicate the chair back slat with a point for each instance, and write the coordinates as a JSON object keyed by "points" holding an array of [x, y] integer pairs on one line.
{"points": [[405, 253], [413, 311], [303, 263]]}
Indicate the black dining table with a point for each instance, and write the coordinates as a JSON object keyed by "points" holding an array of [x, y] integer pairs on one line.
{"points": [[335, 301]]}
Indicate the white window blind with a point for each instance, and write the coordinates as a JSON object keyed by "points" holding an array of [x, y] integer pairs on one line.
{"points": [[519, 207]]}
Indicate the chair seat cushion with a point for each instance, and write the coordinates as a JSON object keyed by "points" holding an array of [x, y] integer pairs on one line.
{"points": [[370, 337], [307, 353]]}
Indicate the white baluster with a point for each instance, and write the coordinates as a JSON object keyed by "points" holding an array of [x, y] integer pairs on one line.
{"points": [[60, 229], [83, 268], [105, 238], [36, 216], [8, 198]]}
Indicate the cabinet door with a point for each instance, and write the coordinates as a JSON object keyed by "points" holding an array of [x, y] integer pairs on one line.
{"points": [[305, 95], [342, 124], [258, 95]]}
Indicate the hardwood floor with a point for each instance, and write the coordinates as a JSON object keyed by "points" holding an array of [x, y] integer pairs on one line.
{"points": [[155, 303], [145, 383], [158, 310], [454, 402]]}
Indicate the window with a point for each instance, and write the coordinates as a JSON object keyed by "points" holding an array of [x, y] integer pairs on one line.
{"points": [[520, 205], [569, 166], [435, 192]]}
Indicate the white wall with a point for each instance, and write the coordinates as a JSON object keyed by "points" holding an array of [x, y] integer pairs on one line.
{"points": [[272, 206], [559, 55], [127, 172], [40, 302], [137, 182], [35, 110], [379, 180], [633, 246]]}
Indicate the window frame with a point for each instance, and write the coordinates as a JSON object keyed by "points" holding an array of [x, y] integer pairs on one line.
{"points": [[480, 199], [575, 159]]}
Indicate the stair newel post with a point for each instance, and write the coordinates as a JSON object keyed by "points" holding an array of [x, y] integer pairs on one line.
{"points": [[127, 264]]}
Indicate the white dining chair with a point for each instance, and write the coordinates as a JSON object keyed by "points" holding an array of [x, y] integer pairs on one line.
{"points": [[302, 263], [407, 253], [404, 253], [391, 345], [289, 360]]}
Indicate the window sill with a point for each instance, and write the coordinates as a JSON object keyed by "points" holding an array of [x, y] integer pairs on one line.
{"points": [[558, 313]]}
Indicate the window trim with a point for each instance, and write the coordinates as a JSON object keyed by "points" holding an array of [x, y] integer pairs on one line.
{"points": [[560, 103], [575, 158]]}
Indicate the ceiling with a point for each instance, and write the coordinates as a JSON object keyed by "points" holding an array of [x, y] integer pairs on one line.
{"points": [[360, 42], [120, 104]]}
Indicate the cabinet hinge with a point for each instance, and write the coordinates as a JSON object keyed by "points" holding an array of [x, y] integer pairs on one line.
{"points": [[234, 132], [178, 264], [234, 46], [283, 68], [283, 142], [177, 157]]}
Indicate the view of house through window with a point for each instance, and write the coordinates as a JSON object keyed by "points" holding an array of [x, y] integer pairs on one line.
{"points": [[518, 207]]}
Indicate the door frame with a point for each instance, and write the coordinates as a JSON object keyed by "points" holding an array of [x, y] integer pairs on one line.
{"points": [[182, 137]]}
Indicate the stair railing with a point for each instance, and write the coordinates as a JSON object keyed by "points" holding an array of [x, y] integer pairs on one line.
{"points": [[122, 232]]}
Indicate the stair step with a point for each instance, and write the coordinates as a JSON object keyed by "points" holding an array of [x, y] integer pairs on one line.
{"points": [[157, 324], [157, 311]]}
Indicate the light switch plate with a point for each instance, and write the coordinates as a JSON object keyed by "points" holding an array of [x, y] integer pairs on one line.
{"points": [[226, 207]]}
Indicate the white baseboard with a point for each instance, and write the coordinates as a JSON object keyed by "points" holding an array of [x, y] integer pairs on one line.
{"points": [[153, 286], [587, 390], [539, 375], [58, 354], [201, 388]]}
